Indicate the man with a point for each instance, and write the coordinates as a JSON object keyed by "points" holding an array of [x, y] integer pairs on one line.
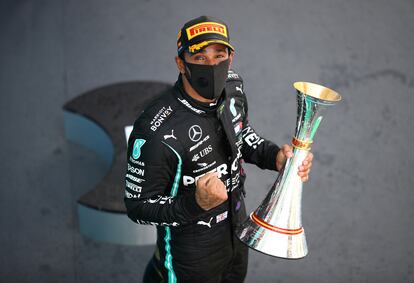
{"points": [[185, 158]]}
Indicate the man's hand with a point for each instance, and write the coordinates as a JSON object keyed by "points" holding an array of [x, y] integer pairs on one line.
{"points": [[286, 152], [210, 191]]}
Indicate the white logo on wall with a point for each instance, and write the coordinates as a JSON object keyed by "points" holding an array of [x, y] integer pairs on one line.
{"points": [[195, 133]]}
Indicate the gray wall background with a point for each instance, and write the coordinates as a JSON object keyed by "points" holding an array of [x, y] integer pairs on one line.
{"points": [[358, 205]]}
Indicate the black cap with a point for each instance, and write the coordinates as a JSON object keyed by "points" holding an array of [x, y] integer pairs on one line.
{"points": [[201, 32]]}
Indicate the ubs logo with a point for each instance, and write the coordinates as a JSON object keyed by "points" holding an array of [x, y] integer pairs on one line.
{"points": [[195, 133]]}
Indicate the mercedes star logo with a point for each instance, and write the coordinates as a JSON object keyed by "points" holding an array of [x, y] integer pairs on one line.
{"points": [[195, 133]]}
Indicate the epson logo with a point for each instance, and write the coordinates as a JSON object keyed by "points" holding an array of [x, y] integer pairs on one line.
{"points": [[190, 180], [137, 171]]}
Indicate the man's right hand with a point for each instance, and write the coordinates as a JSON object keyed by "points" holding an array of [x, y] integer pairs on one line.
{"points": [[210, 191]]}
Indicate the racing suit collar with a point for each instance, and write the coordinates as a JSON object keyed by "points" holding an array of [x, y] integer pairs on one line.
{"points": [[203, 108]]}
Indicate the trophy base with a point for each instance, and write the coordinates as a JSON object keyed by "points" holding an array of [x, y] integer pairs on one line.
{"points": [[268, 241]]}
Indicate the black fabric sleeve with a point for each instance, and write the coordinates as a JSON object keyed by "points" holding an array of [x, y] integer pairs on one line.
{"points": [[152, 181], [257, 150]]}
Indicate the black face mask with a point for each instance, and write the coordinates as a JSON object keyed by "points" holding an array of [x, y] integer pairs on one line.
{"points": [[207, 80]]}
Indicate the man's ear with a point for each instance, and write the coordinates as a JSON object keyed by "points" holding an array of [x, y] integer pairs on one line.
{"points": [[180, 64]]}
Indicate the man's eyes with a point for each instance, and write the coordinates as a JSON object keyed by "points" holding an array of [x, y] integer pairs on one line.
{"points": [[202, 58]]}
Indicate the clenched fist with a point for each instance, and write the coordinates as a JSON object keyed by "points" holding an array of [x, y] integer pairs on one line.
{"points": [[210, 191]]}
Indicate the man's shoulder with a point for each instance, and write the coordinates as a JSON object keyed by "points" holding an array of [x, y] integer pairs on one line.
{"points": [[155, 114]]}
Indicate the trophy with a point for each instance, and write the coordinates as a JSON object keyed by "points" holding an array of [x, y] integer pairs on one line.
{"points": [[275, 227]]}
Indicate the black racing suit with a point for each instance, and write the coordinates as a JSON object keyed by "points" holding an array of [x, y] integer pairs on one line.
{"points": [[174, 142]]}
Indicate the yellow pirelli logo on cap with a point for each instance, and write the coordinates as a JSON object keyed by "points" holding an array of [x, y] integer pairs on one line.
{"points": [[206, 27]]}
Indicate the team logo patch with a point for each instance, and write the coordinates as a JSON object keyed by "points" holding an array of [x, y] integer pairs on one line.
{"points": [[195, 133], [136, 152], [207, 27]]}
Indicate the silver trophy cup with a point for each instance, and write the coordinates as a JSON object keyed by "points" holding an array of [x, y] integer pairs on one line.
{"points": [[275, 227]]}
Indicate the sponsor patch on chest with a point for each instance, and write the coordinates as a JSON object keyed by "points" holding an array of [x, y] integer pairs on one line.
{"points": [[160, 117], [221, 217]]}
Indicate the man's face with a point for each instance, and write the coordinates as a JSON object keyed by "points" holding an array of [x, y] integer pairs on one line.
{"points": [[210, 55]]}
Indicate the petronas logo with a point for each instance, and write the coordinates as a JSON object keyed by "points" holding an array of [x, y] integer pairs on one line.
{"points": [[136, 153]]}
